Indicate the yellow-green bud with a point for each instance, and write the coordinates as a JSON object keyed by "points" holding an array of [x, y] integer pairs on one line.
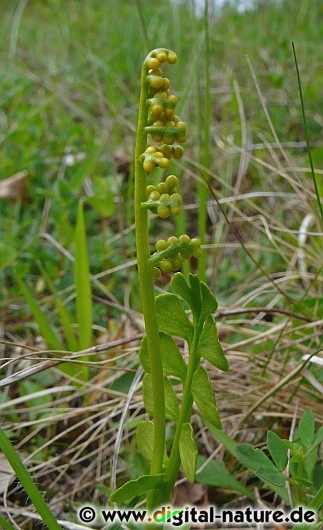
{"points": [[172, 57], [177, 263], [156, 273], [166, 84], [166, 265], [169, 114], [172, 240], [161, 95], [157, 137], [163, 211], [150, 189], [161, 245], [161, 187], [154, 196], [163, 163], [162, 57], [175, 210], [171, 182], [178, 152], [184, 239], [152, 63], [164, 197], [157, 109], [155, 81], [169, 140], [196, 247], [167, 150], [151, 149], [197, 253], [173, 100], [186, 254], [148, 165]]}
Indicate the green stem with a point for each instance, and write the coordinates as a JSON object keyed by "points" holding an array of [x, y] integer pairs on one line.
{"points": [[145, 274], [184, 416]]}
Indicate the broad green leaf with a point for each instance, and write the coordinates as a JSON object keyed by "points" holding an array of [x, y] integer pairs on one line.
{"points": [[277, 450], [137, 487], [209, 303], [172, 318], [171, 403], [203, 395], [318, 438], [82, 282], [180, 286], [195, 285], [45, 327], [209, 346], [306, 428], [196, 294], [214, 474], [188, 451], [172, 360], [145, 441], [260, 464]]}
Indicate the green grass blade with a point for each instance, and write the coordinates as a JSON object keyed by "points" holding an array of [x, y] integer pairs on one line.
{"points": [[64, 315], [5, 524], [44, 324], [203, 191], [83, 286], [306, 135], [27, 482]]}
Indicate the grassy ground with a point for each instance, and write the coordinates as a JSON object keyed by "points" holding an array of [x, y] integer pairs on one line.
{"points": [[69, 94]]}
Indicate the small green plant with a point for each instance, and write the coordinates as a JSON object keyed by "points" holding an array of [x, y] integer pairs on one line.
{"points": [[164, 315], [293, 470]]}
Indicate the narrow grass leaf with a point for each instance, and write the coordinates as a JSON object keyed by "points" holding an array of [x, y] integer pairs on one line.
{"points": [[45, 326], [83, 289], [6, 525], [27, 482], [65, 318], [316, 186]]}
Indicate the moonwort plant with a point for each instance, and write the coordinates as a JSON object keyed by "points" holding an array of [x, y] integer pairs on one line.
{"points": [[164, 315]]}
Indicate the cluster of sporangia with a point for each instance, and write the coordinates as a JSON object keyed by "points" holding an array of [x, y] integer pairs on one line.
{"points": [[165, 128]]}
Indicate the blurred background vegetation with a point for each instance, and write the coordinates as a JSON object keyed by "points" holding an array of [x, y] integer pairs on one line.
{"points": [[70, 74]]}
